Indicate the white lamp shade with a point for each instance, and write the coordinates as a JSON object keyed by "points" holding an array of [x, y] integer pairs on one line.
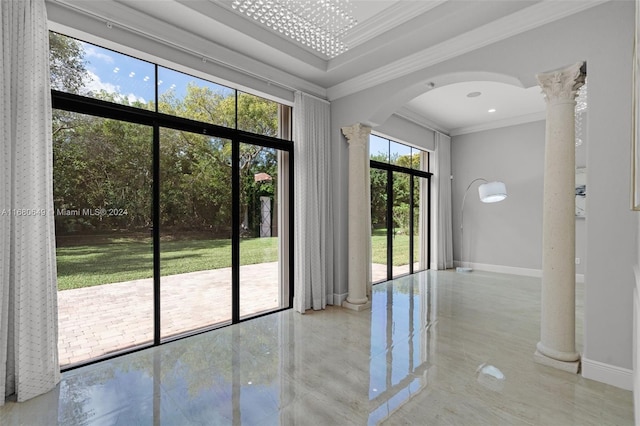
{"points": [[492, 192]]}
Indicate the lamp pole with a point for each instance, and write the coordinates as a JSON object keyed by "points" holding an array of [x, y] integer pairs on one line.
{"points": [[464, 198], [489, 192]]}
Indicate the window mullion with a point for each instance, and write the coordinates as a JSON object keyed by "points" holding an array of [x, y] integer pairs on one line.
{"points": [[235, 231]]}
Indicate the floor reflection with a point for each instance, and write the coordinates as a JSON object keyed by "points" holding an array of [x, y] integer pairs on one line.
{"points": [[490, 377], [436, 347], [401, 318], [230, 376]]}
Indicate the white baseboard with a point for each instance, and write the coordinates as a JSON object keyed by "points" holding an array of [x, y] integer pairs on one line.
{"points": [[339, 298], [610, 374], [508, 270]]}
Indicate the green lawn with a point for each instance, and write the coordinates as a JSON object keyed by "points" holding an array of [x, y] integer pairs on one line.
{"points": [[124, 259], [400, 248]]}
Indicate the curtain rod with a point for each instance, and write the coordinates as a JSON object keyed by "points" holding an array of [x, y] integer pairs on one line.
{"points": [[426, 126], [111, 22], [314, 96]]}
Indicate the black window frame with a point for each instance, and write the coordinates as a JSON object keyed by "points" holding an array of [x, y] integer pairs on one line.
{"points": [[99, 108], [413, 173]]}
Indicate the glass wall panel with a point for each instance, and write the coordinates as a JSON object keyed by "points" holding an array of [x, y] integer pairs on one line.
{"points": [[260, 273], [257, 115], [103, 215], [195, 231], [403, 165], [105, 209], [89, 70], [190, 97], [400, 154], [378, 225], [378, 149], [400, 223], [416, 223], [415, 158]]}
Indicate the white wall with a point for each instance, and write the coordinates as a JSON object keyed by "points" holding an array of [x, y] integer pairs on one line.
{"points": [[602, 36], [402, 130], [508, 233]]}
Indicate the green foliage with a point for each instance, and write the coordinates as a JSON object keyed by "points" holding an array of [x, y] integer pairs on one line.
{"points": [[401, 190], [401, 198], [66, 63], [200, 104], [101, 164], [107, 164], [408, 161], [378, 198], [257, 115]]}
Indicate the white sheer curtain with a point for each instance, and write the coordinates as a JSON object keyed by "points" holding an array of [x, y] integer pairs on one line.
{"points": [[423, 221], [28, 295], [313, 229], [441, 216]]}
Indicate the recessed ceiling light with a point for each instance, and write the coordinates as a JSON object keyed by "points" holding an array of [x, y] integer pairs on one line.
{"points": [[492, 110], [473, 94]]}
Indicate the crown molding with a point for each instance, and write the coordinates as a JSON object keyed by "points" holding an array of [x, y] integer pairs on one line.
{"points": [[524, 20], [387, 19], [513, 121], [420, 120]]}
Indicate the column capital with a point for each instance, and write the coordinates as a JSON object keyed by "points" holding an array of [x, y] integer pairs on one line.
{"points": [[358, 133], [563, 84]]}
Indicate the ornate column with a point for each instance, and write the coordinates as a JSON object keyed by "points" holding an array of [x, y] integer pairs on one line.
{"points": [[359, 228], [557, 347]]}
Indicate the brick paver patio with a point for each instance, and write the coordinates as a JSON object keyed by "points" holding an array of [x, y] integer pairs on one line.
{"points": [[95, 321]]}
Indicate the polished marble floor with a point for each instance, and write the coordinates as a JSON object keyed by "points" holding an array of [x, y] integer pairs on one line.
{"points": [[437, 348]]}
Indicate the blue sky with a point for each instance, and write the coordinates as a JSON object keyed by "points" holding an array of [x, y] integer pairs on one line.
{"points": [[378, 145], [133, 78]]}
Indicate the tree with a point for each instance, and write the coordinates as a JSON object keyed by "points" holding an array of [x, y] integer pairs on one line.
{"points": [[401, 193], [107, 164], [254, 115], [66, 63], [378, 199]]}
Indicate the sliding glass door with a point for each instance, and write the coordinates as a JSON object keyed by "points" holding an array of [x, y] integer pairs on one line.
{"points": [[172, 204], [400, 225], [103, 176], [263, 269], [195, 231], [398, 184], [379, 220]]}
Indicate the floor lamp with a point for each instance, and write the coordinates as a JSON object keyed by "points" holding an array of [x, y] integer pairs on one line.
{"points": [[489, 192]]}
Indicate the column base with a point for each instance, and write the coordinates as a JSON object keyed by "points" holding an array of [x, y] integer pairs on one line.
{"points": [[357, 306], [569, 366]]}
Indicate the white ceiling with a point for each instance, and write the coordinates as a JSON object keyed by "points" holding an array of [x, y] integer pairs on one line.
{"points": [[498, 103], [391, 39]]}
